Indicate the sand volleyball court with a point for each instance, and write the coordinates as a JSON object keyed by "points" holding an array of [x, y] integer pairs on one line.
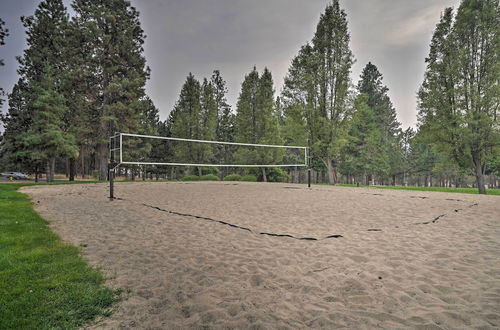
{"points": [[279, 256]]}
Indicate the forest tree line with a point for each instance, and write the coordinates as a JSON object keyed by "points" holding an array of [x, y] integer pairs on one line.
{"points": [[82, 78]]}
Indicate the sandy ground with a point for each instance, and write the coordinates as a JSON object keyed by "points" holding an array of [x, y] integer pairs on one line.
{"points": [[205, 255]]}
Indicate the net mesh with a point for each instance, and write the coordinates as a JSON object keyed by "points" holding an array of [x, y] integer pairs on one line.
{"points": [[142, 150]]}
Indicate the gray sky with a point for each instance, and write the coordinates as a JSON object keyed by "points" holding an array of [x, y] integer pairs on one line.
{"points": [[232, 36]]}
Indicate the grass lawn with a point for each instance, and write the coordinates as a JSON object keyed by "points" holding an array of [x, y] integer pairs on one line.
{"points": [[441, 189], [44, 283]]}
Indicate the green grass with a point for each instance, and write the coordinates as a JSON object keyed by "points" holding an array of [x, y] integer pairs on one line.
{"points": [[44, 283], [440, 189]]}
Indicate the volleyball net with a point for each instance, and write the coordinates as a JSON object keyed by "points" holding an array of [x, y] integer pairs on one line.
{"points": [[136, 149]]}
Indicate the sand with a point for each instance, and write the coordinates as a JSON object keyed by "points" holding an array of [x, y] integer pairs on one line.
{"points": [[207, 255]]}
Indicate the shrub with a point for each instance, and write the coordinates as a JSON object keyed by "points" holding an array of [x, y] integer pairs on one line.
{"points": [[276, 174], [190, 178], [249, 178], [273, 174], [209, 177], [209, 170], [232, 177]]}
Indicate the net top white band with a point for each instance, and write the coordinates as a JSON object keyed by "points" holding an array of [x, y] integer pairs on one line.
{"points": [[207, 141], [213, 165]]}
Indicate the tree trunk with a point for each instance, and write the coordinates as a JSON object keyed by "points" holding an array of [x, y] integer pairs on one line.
{"points": [[72, 169], [82, 155], [332, 177], [264, 177], [50, 169], [102, 150], [36, 173], [476, 159], [47, 171], [199, 171]]}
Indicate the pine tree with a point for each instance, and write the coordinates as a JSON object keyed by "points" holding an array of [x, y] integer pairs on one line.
{"points": [[225, 121], [78, 90], [317, 87], [14, 151], [46, 136], [458, 99], [365, 154], [112, 37], [256, 119], [185, 121], [223, 109], [378, 100], [209, 119], [406, 139], [42, 70], [246, 109], [370, 83]]}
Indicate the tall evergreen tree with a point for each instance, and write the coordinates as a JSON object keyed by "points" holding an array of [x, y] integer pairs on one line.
{"points": [[378, 100], [223, 109], [46, 41], [14, 151], [79, 90], [209, 119], [459, 97], [247, 129], [256, 119], [42, 70], [370, 83], [406, 139], [365, 154], [186, 121], [46, 137], [225, 121], [111, 34], [317, 87]]}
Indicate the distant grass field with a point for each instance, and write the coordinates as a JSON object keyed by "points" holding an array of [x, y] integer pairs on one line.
{"points": [[44, 283], [440, 189]]}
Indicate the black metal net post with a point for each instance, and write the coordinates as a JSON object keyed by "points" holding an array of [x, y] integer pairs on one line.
{"points": [[308, 163], [111, 182], [112, 165]]}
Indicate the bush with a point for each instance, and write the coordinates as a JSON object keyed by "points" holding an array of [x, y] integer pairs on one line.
{"points": [[190, 178], [276, 174], [273, 174], [249, 178], [209, 177], [232, 177], [209, 170], [95, 175]]}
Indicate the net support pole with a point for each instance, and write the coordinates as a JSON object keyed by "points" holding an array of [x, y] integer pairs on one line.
{"points": [[111, 167], [111, 182], [308, 163]]}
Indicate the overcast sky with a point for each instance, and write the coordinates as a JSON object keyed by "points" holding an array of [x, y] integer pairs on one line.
{"points": [[232, 36]]}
